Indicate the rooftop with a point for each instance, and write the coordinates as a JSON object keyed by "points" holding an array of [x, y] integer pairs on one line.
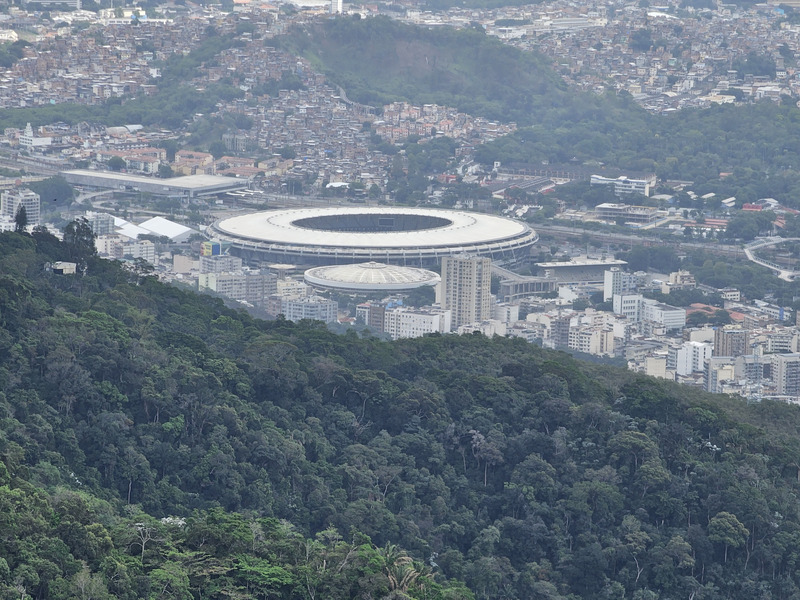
{"points": [[371, 227], [371, 276]]}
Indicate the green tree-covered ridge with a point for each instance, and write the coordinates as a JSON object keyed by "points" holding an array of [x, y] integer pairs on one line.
{"points": [[379, 60], [518, 471]]}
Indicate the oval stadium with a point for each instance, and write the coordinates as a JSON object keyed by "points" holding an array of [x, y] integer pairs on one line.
{"points": [[399, 236]]}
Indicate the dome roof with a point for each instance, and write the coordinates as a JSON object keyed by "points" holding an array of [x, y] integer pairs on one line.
{"points": [[370, 276]]}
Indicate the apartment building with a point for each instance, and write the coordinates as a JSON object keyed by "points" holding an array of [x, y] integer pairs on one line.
{"points": [[466, 288], [11, 200]]}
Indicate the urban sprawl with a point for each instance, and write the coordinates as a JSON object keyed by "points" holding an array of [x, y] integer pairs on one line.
{"points": [[315, 138]]}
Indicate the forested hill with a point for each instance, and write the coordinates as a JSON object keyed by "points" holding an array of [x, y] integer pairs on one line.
{"points": [[155, 444], [379, 60]]}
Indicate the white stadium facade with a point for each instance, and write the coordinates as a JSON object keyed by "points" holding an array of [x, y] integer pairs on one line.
{"points": [[398, 236]]}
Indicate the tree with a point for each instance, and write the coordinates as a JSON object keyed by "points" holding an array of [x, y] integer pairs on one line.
{"points": [[726, 529], [20, 219], [88, 586], [580, 304], [641, 40], [398, 568], [294, 187], [169, 581], [171, 146], [79, 240], [217, 149], [165, 171], [721, 317], [54, 189], [115, 163], [287, 152], [145, 531]]}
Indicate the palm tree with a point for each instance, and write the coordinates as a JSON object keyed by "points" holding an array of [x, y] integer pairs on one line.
{"points": [[399, 570]]}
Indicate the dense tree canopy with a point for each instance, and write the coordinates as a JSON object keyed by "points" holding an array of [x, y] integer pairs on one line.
{"points": [[154, 443]]}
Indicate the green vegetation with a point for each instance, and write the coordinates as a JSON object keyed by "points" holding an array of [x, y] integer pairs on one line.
{"points": [[409, 174], [657, 258], [154, 444], [755, 64], [288, 81], [445, 4], [54, 191], [511, 22], [754, 281], [754, 142], [380, 60], [11, 53], [746, 226]]}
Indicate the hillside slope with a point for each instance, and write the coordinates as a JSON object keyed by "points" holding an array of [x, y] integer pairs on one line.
{"points": [[379, 60], [518, 471]]}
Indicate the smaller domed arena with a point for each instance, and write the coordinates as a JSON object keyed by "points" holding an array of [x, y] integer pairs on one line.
{"points": [[370, 277]]}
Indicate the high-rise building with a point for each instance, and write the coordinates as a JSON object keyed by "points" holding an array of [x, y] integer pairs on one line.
{"points": [[719, 370], [689, 357], [467, 288], [336, 7], [616, 281], [101, 223], [11, 200], [731, 341], [786, 374]]}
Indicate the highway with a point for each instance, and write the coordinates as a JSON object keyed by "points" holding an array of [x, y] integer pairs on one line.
{"points": [[560, 232]]}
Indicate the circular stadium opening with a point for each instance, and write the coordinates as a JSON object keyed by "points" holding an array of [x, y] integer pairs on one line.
{"points": [[372, 223]]}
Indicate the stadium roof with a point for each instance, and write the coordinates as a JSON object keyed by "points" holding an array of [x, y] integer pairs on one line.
{"points": [[132, 231], [370, 276], [346, 235], [455, 229], [166, 228], [188, 185]]}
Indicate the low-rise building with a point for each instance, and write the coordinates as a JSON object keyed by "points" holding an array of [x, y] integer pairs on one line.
{"points": [[612, 212], [646, 310], [625, 185], [405, 322], [310, 307]]}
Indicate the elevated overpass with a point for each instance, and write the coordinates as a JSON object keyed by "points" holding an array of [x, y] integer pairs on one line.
{"points": [[782, 272]]}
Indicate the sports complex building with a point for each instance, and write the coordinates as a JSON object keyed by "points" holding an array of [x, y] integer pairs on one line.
{"points": [[188, 186], [398, 236]]}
